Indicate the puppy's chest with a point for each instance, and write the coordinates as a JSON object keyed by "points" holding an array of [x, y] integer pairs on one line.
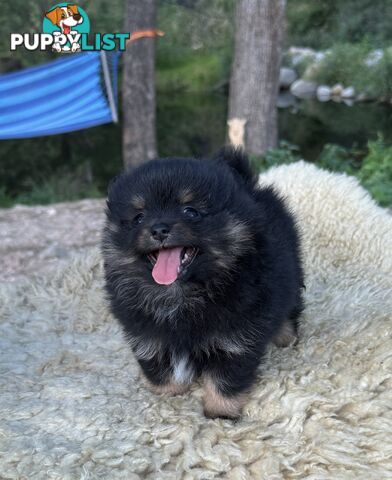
{"points": [[183, 349]]}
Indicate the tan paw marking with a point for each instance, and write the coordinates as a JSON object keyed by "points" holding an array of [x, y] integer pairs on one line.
{"points": [[286, 336], [168, 388], [217, 405]]}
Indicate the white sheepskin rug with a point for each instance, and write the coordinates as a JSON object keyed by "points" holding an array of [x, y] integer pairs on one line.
{"points": [[73, 405]]}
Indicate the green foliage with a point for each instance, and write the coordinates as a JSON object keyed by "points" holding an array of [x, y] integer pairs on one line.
{"points": [[309, 22], [300, 67], [286, 153], [60, 187], [29, 167], [196, 73], [316, 124], [339, 159], [381, 76], [191, 124], [195, 53], [375, 173], [194, 26], [322, 23], [372, 168], [346, 64], [343, 63]]}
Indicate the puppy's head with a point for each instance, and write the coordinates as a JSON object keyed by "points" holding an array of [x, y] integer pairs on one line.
{"points": [[178, 223], [68, 16]]}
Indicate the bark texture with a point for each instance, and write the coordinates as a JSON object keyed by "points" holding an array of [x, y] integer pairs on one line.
{"points": [[138, 97], [254, 85]]}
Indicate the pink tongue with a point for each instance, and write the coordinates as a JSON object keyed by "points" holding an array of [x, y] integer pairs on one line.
{"points": [[165, 270]]}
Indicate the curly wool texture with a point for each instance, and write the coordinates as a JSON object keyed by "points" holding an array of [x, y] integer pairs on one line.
{"points": [[73, 406]]}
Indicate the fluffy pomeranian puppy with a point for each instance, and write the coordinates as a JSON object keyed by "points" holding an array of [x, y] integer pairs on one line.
{"points": [[202, 270]]}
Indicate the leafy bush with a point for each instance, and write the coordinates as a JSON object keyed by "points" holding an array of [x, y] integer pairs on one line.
{"points": [[346, 64], [375, 173], [286, 153], [337, 159], [196, 73], [319, 24], [373, 168], [60, 187], [380, 78], [195, 54]]}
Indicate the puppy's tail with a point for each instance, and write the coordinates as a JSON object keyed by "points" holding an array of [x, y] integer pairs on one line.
{"points": [[237, 161]]}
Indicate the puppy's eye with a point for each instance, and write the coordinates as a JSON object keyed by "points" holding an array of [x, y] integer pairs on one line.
{"points": [[138, 219], [191, 212]]}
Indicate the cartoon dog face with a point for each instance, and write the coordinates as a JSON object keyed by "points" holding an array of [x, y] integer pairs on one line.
{"points": [[65, 17]]}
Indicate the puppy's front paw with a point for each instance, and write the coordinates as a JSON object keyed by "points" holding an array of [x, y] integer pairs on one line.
{"points": [[168, 388], [215, 414], [217, 405], [75, 47], [56, 47], [286, 335]]}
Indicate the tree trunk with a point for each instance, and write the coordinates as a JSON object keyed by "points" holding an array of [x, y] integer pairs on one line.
{"points": [[254, 83], [138, 88]]}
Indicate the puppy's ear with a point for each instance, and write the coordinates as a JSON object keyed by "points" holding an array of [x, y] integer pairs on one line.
{"points": [[112, 182], [73, 8], [54, 15], [236, 159]]}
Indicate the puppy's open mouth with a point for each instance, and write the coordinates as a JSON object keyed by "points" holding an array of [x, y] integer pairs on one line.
{"points": [[168, 263]]}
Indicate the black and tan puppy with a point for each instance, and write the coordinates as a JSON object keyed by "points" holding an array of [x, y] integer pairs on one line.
{"points": [[203, 271]]}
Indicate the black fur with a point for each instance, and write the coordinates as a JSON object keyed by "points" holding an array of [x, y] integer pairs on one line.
{"points": [[243, 285]]}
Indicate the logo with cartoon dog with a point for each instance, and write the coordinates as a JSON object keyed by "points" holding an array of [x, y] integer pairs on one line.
{"points": [[66, 29], [66, 21]]}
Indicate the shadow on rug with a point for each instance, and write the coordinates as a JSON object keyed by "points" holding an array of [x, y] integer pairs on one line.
{"points": [[73, 406]]}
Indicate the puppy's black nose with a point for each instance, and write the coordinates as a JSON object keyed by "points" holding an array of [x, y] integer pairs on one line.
{"points": [[160, 231], [76, 16]]}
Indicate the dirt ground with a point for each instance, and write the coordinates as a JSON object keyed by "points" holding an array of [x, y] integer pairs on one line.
{"points": [[37, 240]]}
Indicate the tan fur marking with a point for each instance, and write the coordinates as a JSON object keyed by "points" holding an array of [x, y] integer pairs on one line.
{"points": [[138, 202], [186, 196], [168, 389], [286, 336], [216, 405]]}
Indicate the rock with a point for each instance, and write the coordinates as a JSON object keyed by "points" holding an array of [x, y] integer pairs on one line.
{"points": [[337, 90], [374, 57], [348, 101], [303, 89], [348, 92], [286, 77], [319, 57], [298, 54], [323, 93], [286, 100]]}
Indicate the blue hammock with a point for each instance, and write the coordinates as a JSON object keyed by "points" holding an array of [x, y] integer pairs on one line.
{"points": [[60, 96]]}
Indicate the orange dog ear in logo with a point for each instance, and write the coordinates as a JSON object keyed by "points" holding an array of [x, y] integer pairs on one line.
{"points": [[73, 8], [54, 15]]}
